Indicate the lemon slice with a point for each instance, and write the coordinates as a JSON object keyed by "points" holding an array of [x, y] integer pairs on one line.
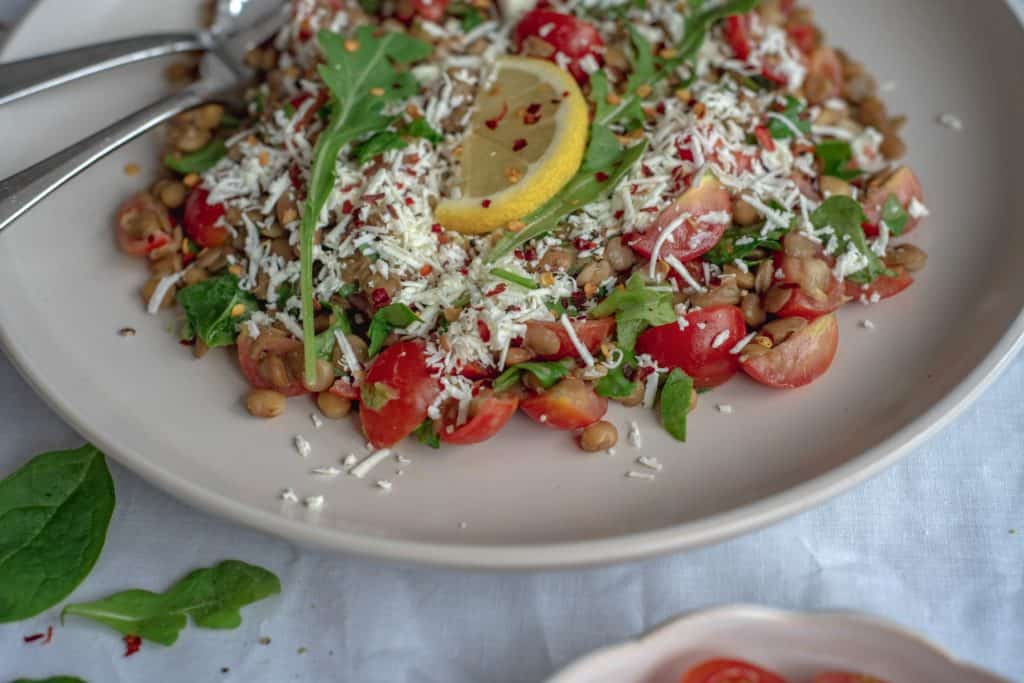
{"points": [[526, 140]]}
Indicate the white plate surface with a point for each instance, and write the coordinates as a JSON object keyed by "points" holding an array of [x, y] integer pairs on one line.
{"points": [[530, 498]]}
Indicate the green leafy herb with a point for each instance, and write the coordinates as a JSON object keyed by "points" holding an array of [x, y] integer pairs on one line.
{"points": [[362, 82], [547, 373], [324, 342], [635, 307], [213, 597], [198, 161], [376, 395], [289, 109], [835, 157], [894, 215], [391, 317], [698, 23], [389, 139], [427, 435], [675, 403], [54, 513], [371, 7], [515, 278], [845, 216], [615, 384], [779, 130], [470, 16], [214, 307], [740, 243]]}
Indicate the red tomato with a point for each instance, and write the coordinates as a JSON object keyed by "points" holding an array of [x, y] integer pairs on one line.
{"points": [[488, 413], [476, 371], [730, 671], [396, 393], [430, 10], [570, 404], [693, 237], [570, 36], [803, 35], [799, 360], [694, 350], [802, 305], [200, 220], [129, 231], [885, 286], [817, 291], [345, 389], [251, 353], [590, 332], [902, 184], [737, 33], [823, 62], [845, 677]]}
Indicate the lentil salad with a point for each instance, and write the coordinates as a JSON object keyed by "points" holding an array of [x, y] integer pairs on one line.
{"points": [[738, 183]]}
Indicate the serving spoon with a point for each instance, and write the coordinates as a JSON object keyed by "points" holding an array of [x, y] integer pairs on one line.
{"points": [[239, 26]]}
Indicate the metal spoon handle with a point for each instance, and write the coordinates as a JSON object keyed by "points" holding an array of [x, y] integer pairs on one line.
{"points": [[21, 191], [28, 76]]}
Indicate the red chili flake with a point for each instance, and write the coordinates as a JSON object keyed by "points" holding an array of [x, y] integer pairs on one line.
{"points": [[436, 229], [533, 108], [530, 254], [373, 197], [516, 341], [464, 270], [408, 201], [629, 372], [650, 209], [661, 107], [346, 207], [496, 291], [532, 114], [380, 297], [518, 253], [493, 123], [646, 170], [131, 645], [764, 138], [481, 327], [601, 176], [579, 298], [619, 214], [643, 373], [442, 239], [486, 203], [49, 635], [426, 270], [582, 244], [518, 144], [34, 637], [399, 186], [565, 93]]}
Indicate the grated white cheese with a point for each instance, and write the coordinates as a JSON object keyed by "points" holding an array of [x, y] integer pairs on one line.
{"points": [[867, 324], [162, 287], [314, 502], [639, 475], [724, 408], [720, 339], [317, 421], [328, 471], [951, 121], [650, 462], [288, 496], [635, 440], [917, 209], [650, 390], [677, 266], [302, 446], [369, 462], [742, 344], [384, 485], [581, 349]]}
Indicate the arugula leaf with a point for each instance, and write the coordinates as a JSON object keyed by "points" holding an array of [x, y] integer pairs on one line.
{"points": [[213, 598], [515, 278], [54, 513], [214, 307], [324, 342], [635, 307], [362, 82], [739, 243], [835, 157], [845, 217], [392, 316], [675, 403], [389, 139], [779, 130], [198, 161], [426, 434], [698, 24], [894, 215], [547, 373], [615, 384], [470, 17]]}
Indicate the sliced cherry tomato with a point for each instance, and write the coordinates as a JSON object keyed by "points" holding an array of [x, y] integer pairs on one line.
{"points": [[570, 404], [802, 305], [590, 332], [568, 35], [730, 671], [200, 220], [691, 237], [135, 235], [345, 389], [488, 414], [737, 33], [800, 359], [476, 371], [885, 286], [803, 35], [824, 63], [845, 677], [701, 349], [902, 184], [815, 289], [396, 393], [252, 352]]}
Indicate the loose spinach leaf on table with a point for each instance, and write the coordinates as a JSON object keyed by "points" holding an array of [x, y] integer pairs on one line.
{"points": [[845, 216], [214, 308], [213, 598], [198, 161], [547, 373], [54, 513], [675, 403], [391, 317]]}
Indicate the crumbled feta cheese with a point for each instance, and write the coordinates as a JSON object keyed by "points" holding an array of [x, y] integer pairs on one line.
{"points": [[302, 446]]}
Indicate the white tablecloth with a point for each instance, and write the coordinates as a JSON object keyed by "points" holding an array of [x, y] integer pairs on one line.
{"points": [[936, 543]]}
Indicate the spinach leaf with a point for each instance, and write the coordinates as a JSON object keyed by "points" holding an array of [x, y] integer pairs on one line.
{"points": [[426, 434], [324, 343], [779, 130], [740, 243], [198, 161], [214, 308], [635, 307], [845, 216], [213, 597], [835, 157], [894, 215], [391, 317], [547, 373], [675, 403], [54, 513]]}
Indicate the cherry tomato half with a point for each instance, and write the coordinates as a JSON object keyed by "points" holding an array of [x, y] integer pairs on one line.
{"points": [[701, 349], [488, 414], [845, 677], [800, 359], [693, 236], [902, 184], [396, 393], [568, 35], [590, 332], [884, 286], [252, 353], [200, 220], [730, 671], [138, 234], [570, 404], [737, 32]]}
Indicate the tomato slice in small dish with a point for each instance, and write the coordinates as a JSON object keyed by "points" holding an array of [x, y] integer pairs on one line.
{"points": [[798, 360], [883, 287], [590, 333], [845, 677], [730, 671], [701, 348], [395, 394], [570, 404], [252, 353], [697, 220], [137, 235], [201, 219], [902, 184], [566, 34], [488, 414]]}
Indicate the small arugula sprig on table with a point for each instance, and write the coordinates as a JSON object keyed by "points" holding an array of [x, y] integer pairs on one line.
{"points": [[361, 76]]}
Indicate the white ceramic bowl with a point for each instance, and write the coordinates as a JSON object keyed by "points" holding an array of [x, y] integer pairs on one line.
{"points": [[796, 645], [530, 498]]}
